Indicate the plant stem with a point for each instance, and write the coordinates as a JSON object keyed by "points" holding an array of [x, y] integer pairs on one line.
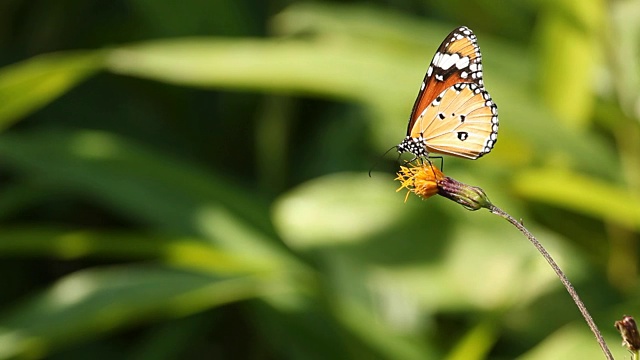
{"points": [[563, 278]]}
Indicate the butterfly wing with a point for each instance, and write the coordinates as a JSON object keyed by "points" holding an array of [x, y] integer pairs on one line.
{"points": [[453, 113], [461, 121], [457, 60]]}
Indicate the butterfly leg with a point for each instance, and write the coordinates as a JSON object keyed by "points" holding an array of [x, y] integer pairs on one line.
{"points": [[441, 161]]}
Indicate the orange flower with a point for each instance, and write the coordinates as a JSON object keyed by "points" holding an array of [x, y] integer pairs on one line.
{"points": [[421, 179], [426, 180]]}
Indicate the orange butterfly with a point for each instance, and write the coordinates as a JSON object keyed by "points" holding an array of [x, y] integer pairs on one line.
{"points": [[453, 114]]}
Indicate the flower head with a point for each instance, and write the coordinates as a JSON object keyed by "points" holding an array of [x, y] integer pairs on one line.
{"points": [[421, 179], [426, 180], [629, 331]]}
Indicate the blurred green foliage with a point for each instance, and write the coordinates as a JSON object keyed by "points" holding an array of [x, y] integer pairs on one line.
{"points": [[188, 180]]}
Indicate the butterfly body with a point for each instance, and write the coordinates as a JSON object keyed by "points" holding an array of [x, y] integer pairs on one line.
{"points": [[453, 113]]}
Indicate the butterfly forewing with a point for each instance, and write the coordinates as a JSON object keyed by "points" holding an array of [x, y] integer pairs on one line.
{"points": [[457, 60], [461, 121]]}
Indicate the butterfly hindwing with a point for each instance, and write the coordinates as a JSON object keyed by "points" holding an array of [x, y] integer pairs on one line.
{"points": [[462, 121]]}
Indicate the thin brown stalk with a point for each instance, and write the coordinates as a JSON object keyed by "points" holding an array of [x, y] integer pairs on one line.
{"points": [[563, 278]]}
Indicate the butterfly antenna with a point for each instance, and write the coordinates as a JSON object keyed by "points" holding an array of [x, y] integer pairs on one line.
{"points": [[380, 159]]}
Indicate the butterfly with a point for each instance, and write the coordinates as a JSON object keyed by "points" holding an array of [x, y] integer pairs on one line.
{"points": [[453, 113]]}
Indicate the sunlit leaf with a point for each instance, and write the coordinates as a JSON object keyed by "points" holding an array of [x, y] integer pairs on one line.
{"points": [[341, 208], [65, 244], [259, 65], [31, 84], [623, 45], [568, 33], [581, 194]]}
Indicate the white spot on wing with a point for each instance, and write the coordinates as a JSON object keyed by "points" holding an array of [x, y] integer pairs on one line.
{"points": [[448, 60], [462, 63], [436, 58]]}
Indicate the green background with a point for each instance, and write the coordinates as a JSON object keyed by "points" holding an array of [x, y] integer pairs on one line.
{"points": [[188, 180]]}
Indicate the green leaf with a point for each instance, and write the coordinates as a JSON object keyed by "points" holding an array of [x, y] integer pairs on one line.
{"points": [[570, 342], [623, 45], [148, 187], [570, 32], [31, 84], [180, 251], [91, 302], [337, 209], [477, 343], [581, 194], [279, 66], [342, 330]]}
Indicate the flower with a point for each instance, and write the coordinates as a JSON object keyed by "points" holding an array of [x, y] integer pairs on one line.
{"points": [[629, 331], [426, 180], [421, 180]]}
